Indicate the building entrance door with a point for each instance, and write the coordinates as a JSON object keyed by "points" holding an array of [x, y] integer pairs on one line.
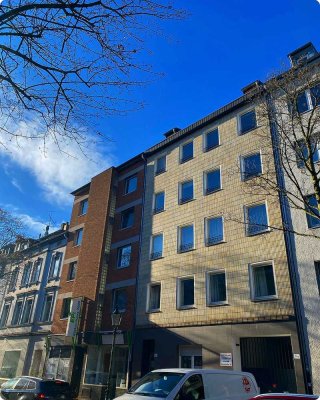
{"points": [[270, 360]]}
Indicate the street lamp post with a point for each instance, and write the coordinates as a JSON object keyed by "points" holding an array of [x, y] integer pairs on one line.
{"points": [[115, 320]]}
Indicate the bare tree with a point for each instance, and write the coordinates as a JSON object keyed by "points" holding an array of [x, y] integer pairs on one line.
{"points": [[64, 61], [288, 112]]}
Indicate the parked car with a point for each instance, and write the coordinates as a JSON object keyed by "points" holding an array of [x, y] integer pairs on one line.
{"points": [[286, 396], [193, 384], [31, 388]]}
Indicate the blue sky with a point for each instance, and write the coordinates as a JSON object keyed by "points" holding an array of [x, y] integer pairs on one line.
{"points": [[205, 60]]}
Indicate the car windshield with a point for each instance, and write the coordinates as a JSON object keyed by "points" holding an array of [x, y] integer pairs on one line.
{"points": [[156, 384], [9, 384]]}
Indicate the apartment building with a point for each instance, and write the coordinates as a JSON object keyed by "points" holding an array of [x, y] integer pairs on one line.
{"points": [[99, 274], [214, 285], [30, 287]]}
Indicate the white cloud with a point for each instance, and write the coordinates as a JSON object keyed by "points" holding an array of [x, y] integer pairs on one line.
{"points": [[57, 171], [16, 184]]}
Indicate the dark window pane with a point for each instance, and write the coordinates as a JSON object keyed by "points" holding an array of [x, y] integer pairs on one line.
{"points": [[131, 184], [124, 256], [78, 237], [214, 230], [46, 311], [212, 140], [127, 218], [187, 152], [186, 238], [302, 102], [187, 292], [27, 310], [251, 166], [66, 304], [161, 165], [257, 219], [302, 153], [157, 246], [17, 313], [213, 181], [84, 207], [155, 291], [72, 270], [186, 361], [315, 95], [248, 121], [217, 288], [120, 300], [263, 281], [186, 191], [5, 314], [317, 270], [312, 211], [159, 202]]}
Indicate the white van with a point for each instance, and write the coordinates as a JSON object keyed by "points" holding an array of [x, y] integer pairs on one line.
{"points": [[193, 384]]}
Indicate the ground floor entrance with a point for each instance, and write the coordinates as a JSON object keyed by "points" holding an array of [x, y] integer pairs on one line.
{"points": [[270, 360]]}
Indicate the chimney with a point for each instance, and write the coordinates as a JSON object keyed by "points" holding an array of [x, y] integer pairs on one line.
{"points": [[64, 226], [171, 132], [302, 54], [46, 233]]}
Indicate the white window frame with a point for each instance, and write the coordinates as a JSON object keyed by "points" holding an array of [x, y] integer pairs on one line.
{"points": [[206, 230], [307, 91], [192, 350], [6, 302], [179, 291], [204, 139], [180, 191], [126, 181], [179, 237], [246, 219], [151, 245], [251, 281], [54, 256], [53, 294], [242, 172], [33, 297], [181, 161], [205, 184], [154, 202], [208, 292], [156, 165], [148, 308], [239, 121]]}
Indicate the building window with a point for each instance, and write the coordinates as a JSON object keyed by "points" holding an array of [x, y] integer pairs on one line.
{"points": [[130, 184], [10, 364], [17, 312], [84, 207], [154, 297], [317, 270], [190, 357], [158, 202], [36, 270], [55, 266], [156, 246], [186, 152], [302, 153], [127, 218], [247, 122], [5, 314], [216, 288], [263, 285], [26, 274], [78, 237], [308, 99], [185, 292], [186, 192], [72, 270], [214, 230], [47, 307], [13, 280], [312, 211], [27, 310], [251, 166], [124, 256], [120, 299], [65, 310], [186, 238], [211, 140], [161, 165], [212, 181], [256, 219]]}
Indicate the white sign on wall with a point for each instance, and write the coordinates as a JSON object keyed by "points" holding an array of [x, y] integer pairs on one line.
{"points": [[225, 359], [74, 317]]}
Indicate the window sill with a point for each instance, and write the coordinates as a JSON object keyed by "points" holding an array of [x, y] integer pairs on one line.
{"points": [[186, 251], [207, 193], [81, 215], [53, 278], [156, 258], [153, 311], [185, 201], [127, 227], [240, 133], [160, 172], [243, 179], [158, 211], [182, 308], [206, 150], [218, 304], [258, 233], [64, 318], [70, 280], [215, 244], [314, 227], [132, 191], [186, 160], [122, 267], [76, 245], [44, 323], [265, 298]]}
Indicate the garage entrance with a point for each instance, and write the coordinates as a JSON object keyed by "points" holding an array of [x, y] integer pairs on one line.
{"points": [[270, 360]]}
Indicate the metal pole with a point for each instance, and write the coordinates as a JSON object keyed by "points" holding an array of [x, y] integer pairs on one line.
{"points": [[107, 395]]}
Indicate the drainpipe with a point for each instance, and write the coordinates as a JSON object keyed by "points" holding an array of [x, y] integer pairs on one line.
{"points": [[137, 274], [291, 253]]}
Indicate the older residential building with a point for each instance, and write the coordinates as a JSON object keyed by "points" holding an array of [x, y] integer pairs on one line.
{"points": [[30, 288], [99, 274], [214, 284]]}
